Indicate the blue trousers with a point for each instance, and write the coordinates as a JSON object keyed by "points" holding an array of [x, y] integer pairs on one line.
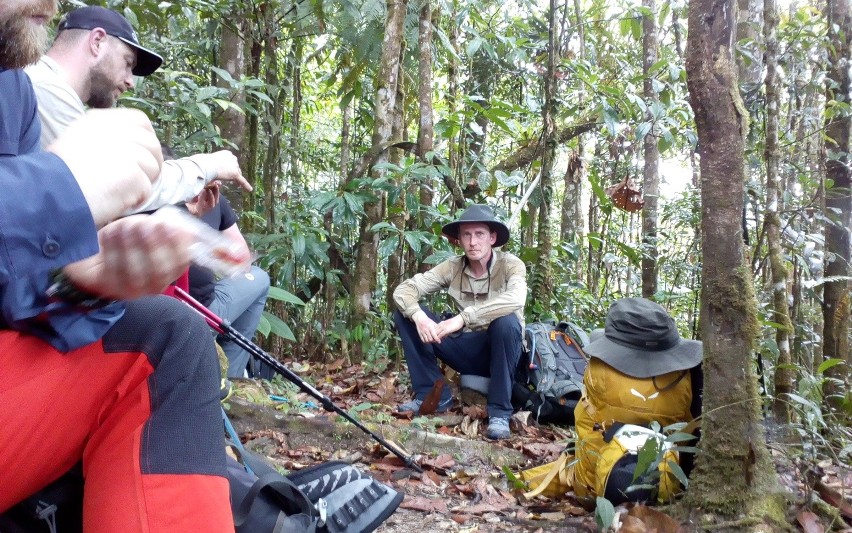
{"points": [[240, 301], [491, 353]]}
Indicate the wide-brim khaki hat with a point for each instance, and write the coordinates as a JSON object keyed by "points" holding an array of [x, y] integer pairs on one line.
{"points": [[640, 339]]}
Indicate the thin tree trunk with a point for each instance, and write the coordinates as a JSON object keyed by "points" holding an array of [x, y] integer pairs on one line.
{"points": [[383, 113], [783, 333], [295, 68], [542, 283], [652, 155], [231, 122], [426, 127], [571, 223], [838, 199], [733, 453], [396, 262]]}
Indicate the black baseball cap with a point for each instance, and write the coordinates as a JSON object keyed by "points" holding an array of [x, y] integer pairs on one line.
{"points": [[91, 17]]}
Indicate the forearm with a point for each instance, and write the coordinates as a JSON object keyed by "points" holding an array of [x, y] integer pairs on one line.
{"points": [[180, 181], [408, 293]]}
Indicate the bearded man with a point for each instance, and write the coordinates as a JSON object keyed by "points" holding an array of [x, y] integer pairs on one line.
{"points": [[94, 370], [92, 62]]}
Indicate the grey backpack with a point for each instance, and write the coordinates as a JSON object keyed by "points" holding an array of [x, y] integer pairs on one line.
{"points": [[332, 497]]}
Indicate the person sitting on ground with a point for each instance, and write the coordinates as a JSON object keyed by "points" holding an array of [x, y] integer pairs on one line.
{"points": [[484, 338], [93, 60], [93, 370], [238, 299], [640, 372]]}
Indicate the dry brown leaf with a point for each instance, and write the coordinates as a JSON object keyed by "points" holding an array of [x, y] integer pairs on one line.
{"points": [[431, 401], [469, 426], [654, 520], [631, 524], [432, 478], [810, 522], [832, 497], [421, 503], [521, 419]]}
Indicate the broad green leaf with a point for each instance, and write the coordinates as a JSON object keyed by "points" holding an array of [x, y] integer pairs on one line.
{"points": [[279, 327], [277, 293], [828, 363], [604, 513]]}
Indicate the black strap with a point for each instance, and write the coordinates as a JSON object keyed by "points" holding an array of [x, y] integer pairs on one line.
{"points": [[670, 385], [612, 430], [280, 487]]}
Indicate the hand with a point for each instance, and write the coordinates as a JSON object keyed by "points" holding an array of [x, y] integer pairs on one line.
{"points": [[205, 201], [139, 255], [226, 165], [449, 326], [426, 327], [114, 156]]}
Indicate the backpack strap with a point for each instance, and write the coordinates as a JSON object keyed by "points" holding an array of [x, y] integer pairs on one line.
{"points": [[282, 489]]}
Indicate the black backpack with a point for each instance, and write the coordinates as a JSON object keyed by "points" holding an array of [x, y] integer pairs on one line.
{"points": [[332, 497], [549, 380]]}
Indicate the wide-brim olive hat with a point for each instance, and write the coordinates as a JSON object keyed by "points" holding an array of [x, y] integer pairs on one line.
{"points": [[478, 213], [640, 339]]}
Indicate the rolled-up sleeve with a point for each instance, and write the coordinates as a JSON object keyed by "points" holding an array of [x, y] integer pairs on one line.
{"points": [[408, 293]]}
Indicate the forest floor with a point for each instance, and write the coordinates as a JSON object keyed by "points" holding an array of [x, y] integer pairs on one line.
{"points": [[464, 486]]}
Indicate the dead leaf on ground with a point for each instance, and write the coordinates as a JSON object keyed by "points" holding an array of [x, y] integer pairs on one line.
{"points": [[469, 427], [521, 419], [653, 519], [832, 497], [431, 401], [631, 524], [421, 503], [810, 522]]}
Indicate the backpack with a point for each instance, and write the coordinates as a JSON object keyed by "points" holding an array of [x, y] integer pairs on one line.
{"points": [[549, 381], [332, 497]]}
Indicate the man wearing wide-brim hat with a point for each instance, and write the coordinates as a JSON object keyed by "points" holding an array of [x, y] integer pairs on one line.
{"points": [[484, 338]]}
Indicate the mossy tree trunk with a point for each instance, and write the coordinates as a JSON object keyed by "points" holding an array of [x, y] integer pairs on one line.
{"points": [[838, 200], [733, 453], [781, 316], [542, 282], [364, 278]]}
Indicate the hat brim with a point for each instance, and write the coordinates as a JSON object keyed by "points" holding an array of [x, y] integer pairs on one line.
{"points": [[451, 230], [644, 363], [147, 61]]}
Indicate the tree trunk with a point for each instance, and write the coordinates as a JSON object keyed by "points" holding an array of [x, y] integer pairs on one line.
{"points": [[838, 201], [542, 282], [295, 68], [231, 122], [781, 316], [571, 224], [732, 453], [398, 215], [652, 156], [383, 111]]}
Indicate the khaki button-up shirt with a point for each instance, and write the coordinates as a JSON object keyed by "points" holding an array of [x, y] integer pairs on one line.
{"points": [[502, 290]]}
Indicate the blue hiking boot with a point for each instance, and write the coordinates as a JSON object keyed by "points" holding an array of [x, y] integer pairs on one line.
{"points": [[498, 428]]}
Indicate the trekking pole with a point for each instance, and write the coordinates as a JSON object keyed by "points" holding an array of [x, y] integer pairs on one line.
{"points": [[223, 327]]}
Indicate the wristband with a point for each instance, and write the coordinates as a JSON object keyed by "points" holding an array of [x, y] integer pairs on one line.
{"points": [[63, 290]]}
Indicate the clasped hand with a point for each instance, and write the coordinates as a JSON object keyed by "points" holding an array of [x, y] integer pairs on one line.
{"points": [[433, 332]]}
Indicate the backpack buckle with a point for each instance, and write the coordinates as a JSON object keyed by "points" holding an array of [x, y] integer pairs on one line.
{"points": [[322, 507]]}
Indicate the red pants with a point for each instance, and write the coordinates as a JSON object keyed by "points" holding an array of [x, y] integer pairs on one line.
{"points": [[140, 408]]}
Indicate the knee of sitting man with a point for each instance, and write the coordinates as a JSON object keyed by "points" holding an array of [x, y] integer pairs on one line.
{"points": [[507, 325]]}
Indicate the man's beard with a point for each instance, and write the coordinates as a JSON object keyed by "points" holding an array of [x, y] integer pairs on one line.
{"points": [[101, 93], [22, 40]]}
